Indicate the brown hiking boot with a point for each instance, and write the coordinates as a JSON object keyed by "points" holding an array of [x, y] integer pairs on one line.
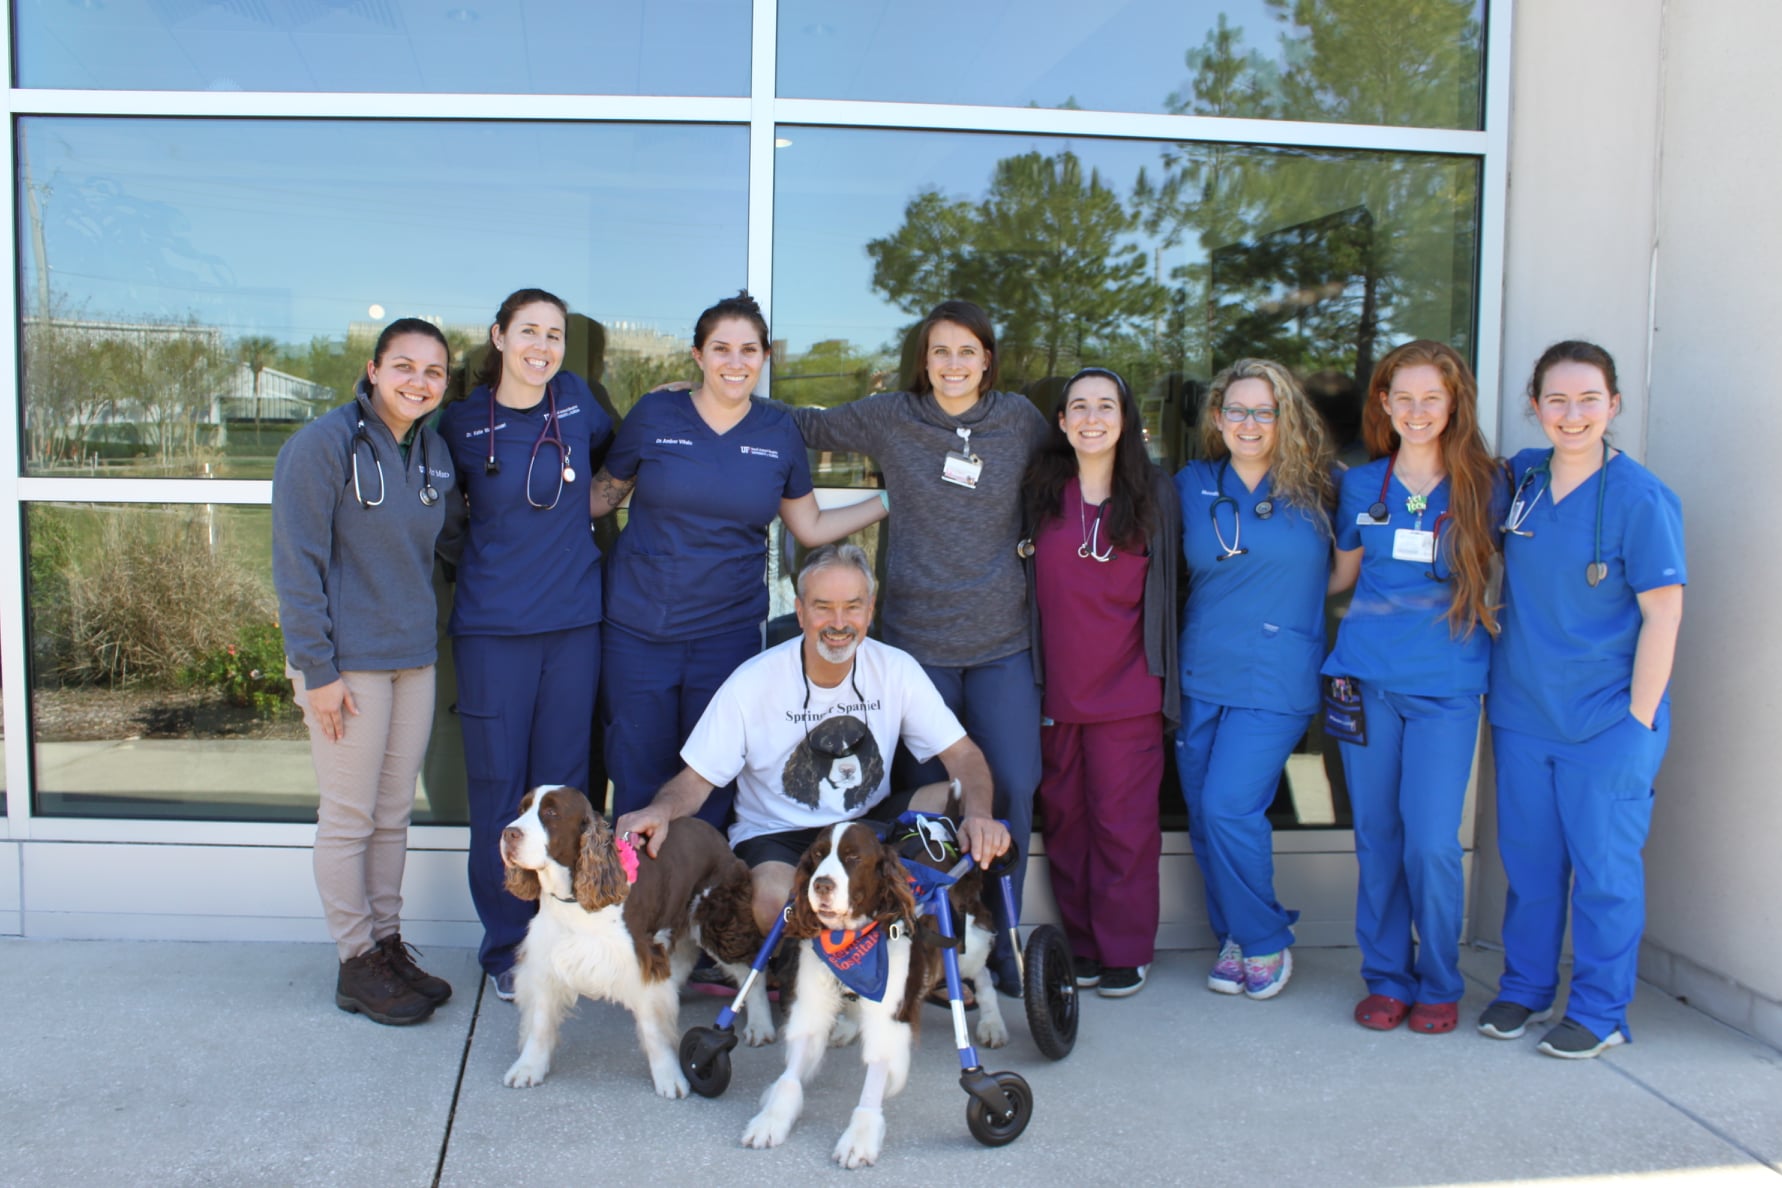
{"points": [[402, 959], [370, 986]]}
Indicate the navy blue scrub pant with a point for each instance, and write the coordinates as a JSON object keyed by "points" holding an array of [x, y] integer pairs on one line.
{"points": [[999, 706], [526, 706], [1573, 817], [651, 696], [1229, 761], [1407, 788]]}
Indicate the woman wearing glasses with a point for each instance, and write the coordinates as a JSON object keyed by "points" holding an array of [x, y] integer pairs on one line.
{"points": [[707, 471], [1579, 708], [1256, 536], [526, 614], [358, 502], [1419, 526], [1104, 555]]}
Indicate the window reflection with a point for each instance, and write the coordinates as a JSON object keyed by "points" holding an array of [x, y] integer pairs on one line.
{"points": [[1342, 61], [193, 291], [568, 47]]}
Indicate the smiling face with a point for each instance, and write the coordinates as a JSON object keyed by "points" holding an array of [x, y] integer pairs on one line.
{"points": [[408, 382], [834, 611], [1091, 419], [1419, 404], [956, 362], [531, 345], [731, 359], [1575, 406], [1248, 440]]}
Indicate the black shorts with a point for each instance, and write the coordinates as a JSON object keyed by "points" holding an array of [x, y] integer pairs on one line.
{"points": [[789, 846]]}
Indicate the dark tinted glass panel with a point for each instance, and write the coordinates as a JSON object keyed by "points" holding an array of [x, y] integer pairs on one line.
{"points": [[1166, 262], [195, 290], [570, 47], [1343, 61]]}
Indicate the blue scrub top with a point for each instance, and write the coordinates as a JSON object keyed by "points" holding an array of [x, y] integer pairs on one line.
{"points": [[1563, 667], [693, 557], [526, 570], [1396, 631], [1253, 634]]}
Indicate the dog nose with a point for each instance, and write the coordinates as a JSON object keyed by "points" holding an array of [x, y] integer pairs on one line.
{"points": [[823, 885]]}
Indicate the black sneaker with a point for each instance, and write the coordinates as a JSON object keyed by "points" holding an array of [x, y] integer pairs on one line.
{"points": [[402, 955], [1508, 1020], [1571, 1040], [1087, 971], [368, 986], [1119, 981]]}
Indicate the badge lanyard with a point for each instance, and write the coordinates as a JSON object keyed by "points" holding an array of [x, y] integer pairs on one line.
{"points": [[962, 467]]}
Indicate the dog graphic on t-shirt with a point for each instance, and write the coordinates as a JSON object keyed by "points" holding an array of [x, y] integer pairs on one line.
{"points": [[838, 766]]}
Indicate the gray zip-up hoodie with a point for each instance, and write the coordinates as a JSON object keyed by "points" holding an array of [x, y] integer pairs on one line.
{"points": [[354, 583], [955, 593]]}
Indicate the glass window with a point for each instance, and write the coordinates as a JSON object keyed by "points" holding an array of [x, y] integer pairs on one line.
{"points": [[538, 47], [1341, 61], [195, 290]]}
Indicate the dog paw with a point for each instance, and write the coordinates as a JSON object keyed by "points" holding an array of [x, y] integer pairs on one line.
{"points": [[672, 1086], [862, 1141], [765, 1130], [992, 1032], [845, 1031], [525, 1074], [757, 1033]]}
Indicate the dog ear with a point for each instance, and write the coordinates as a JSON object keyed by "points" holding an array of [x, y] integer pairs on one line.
{"points": [[895, 901], [599, 876], [803, 923], [522, 884]]}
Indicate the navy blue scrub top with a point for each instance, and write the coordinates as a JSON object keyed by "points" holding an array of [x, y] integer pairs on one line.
{"points": [[1563, 667], [1396, 631], [1253, 634], [526, 570], [692, 560]]}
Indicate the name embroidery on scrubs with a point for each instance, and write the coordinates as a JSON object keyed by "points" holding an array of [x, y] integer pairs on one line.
{"points": [[673, 441], [761, 451]]}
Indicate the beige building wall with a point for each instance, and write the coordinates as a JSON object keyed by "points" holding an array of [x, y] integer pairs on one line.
{"points": [[1643, 215]]}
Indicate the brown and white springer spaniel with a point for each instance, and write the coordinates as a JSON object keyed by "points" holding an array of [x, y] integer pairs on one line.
{"points": [[848, 885], [614, 923]]}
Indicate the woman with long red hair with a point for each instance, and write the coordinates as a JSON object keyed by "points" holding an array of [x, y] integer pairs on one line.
{"points": [[1416, 533]]}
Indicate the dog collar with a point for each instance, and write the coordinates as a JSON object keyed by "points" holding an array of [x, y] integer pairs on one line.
{"points": [[627, 856]]}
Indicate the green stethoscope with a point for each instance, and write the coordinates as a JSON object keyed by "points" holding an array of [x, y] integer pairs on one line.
{"points": [[1521, 505]]}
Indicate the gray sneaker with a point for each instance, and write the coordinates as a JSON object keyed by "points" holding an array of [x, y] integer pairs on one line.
{"points": [[1571, 1040], [1508, 1020], [504, 984]]}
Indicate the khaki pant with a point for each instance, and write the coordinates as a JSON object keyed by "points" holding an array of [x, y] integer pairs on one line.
{"points": [[365, 785]]}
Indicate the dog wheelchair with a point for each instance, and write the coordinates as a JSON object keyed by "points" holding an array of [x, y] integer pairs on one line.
{"points": [[1000, 1104]]}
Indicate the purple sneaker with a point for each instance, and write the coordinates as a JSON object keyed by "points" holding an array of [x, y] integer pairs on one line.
{"points": [[1228, 971], [1265, 976]]}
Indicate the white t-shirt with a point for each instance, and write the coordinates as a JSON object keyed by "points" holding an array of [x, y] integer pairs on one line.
{"points": [[804, 756]]}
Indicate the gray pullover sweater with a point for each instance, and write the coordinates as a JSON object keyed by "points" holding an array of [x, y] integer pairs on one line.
{"points": [[955, 592], [355, 583]]}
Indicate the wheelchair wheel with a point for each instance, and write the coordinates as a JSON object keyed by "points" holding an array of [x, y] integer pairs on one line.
{"points": [[1050, 992], [999, 1131], [705, 1063]]}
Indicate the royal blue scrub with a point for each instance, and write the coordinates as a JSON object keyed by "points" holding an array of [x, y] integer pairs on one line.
{"points": [[1420, 689], [1574, 767], [525, 625], [1252, 638], [686, 594]]}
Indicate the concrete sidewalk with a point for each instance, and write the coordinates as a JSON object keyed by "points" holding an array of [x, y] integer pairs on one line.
{"points": [[182, 1063]]}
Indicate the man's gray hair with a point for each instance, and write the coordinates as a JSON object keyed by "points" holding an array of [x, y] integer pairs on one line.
{"points": [[845, 555]]}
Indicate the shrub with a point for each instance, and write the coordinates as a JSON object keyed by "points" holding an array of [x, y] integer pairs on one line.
{"points": [[249, 672]]}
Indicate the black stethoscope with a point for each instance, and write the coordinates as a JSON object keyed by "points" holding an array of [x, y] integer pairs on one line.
{"points": [[552, 433], [1379, 513], [429, 493], [1598, 569], [1264, 510]]}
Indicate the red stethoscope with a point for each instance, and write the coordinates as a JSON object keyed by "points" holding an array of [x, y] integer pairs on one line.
{"points": [[551, 434], [1379, 514]]}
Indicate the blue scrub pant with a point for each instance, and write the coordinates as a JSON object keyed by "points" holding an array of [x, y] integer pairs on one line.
{"points": [[526, 705], [1574, 816], [651, 696], [999, 706], [1229, 761], [1407, 788]]}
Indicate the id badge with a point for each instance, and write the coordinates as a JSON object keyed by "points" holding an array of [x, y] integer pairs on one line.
{"points": [[1344, 718], [1364, 520], [962, 470], [1408, 544]]}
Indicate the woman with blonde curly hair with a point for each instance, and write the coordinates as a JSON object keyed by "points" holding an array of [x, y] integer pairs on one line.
{"points": [[1256, 536], [1418, 524]]}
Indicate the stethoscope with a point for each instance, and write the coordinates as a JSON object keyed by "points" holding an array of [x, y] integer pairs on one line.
{"points": [[1264, 510], [1521, 506], [429, 493], [1379, 513], [552, 433]]}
